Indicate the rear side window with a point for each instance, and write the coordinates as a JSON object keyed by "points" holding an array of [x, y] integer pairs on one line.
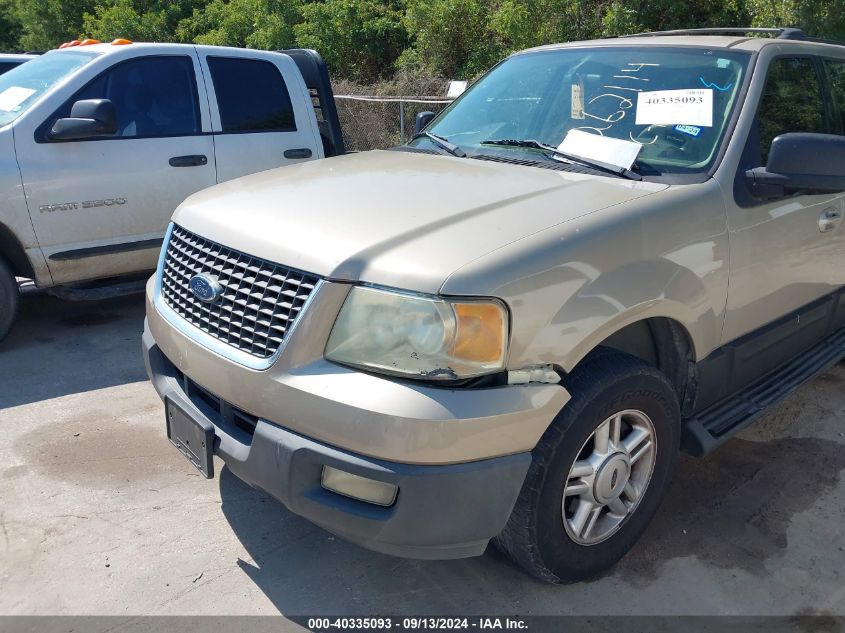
{"points": [[251, 95], [791, 102], [836, 86]]}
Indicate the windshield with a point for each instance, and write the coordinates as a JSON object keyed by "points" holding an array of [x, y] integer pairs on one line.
{"points": [[673, 103], [22, 86]]}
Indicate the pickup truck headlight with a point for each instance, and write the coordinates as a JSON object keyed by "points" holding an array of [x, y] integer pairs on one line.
{"points": [[418, 336]]}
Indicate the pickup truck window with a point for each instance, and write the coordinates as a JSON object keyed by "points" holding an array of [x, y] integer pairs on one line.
{"points": [[153, 97], [251, 95], [791, 102], [21, 87], [675, 102], [7, 66], [836, 85]]}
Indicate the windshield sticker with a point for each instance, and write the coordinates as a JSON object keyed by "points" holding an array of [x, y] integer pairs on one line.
{"points": [[692, 106], [688, 129], [613, 151], [577, 101], [12, 97]]}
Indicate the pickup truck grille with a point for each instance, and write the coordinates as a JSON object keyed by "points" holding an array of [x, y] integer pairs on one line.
{"points": [[259, 303]]}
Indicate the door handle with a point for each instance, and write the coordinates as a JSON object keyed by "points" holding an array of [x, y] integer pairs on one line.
{"points": [[828, 219], [191, 160], [302, 152]]}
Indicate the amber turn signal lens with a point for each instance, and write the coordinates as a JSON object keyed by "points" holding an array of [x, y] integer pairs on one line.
{"points": [[480, 333]]}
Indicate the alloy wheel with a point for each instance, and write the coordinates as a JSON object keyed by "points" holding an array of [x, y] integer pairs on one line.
{"points": [[609, 477]]}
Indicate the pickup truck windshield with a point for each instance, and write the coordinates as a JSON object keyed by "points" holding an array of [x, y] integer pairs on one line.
{"points": [[674, 103], [21, 87]]}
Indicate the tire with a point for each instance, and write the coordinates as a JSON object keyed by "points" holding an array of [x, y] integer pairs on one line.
{"points": [[544, 534], [9, 299]]}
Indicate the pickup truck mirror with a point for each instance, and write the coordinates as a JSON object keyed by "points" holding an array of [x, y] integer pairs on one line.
{"points": [[801, 162], [88, 118], [423, 119]]}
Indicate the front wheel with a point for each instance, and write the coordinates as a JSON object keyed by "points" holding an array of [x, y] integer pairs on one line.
{"points": [[9, 298], [598, 474]]}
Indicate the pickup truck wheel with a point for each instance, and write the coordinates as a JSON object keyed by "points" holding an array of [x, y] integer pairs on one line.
{"points": [[598, 474], [9, 299]]}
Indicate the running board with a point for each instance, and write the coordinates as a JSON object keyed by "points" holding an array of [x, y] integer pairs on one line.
{"points": [[711, 427], [99, 292]]}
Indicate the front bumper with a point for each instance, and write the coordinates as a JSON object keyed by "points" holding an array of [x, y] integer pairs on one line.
{"points": [[388, 419], [443, 511]]}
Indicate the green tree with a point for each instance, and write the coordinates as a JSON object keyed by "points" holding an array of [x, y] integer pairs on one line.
{"points": [[823, 18], [359, 39], [47, 23], [143, 20], [10, 26], [451, 37], [366, 39], [523, 23], [660, 15], [264, 24]]}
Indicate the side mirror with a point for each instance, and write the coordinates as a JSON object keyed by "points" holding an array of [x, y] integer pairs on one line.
{"points": [[88, 118], [801, 163], [423, 119]]}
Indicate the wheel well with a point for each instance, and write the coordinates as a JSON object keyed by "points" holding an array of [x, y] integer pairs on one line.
{"points": [[12, 251], [662, 343]]}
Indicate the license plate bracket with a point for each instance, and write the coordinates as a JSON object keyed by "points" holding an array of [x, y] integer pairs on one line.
{"points": [[191, 437]]}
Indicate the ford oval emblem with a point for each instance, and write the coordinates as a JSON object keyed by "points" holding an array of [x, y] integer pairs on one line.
{"points": [[206, 287]]}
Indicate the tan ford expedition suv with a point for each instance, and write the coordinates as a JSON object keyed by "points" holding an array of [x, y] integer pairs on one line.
{"points": [[601, 253]]}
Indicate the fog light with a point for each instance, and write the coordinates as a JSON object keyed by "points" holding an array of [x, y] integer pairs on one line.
{"points": [[358, 487]]}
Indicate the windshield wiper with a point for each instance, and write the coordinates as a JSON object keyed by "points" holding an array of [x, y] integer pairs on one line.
{"points": [[442, 143], [571, 158]]}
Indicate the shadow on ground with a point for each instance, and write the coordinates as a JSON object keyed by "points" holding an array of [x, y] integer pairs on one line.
{"points": [[731, 510], [62, 347]]}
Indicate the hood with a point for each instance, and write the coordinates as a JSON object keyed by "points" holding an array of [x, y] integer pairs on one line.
{"points": [[394, 218]]}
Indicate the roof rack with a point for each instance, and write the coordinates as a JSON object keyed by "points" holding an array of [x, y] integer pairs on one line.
{"points": [[784, 33]]}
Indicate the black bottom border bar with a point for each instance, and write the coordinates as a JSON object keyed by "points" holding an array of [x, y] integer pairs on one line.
{"points": [[567, 624]]}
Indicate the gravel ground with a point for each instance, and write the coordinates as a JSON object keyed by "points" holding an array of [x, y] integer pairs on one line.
{"points": [[100, 515]]}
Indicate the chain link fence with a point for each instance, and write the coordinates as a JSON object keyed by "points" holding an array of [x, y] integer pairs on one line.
{"points": [[375, 122]]}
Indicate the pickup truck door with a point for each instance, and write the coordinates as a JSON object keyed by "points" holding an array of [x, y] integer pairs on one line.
{"points": [[786, 253], [261, 111], [100, 206]]}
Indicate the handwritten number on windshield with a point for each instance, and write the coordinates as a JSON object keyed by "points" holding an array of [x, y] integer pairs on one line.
{"points": [[623, 103]]}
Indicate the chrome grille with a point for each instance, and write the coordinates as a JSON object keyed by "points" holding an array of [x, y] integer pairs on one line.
{"points": [[259, 302]]}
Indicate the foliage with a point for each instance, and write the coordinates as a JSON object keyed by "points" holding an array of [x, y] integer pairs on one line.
{"points": [[451, 36], [133, 19], [45, 24], [358, 38], [10, 26], [369, 39], [819, 17], [265, 24]]}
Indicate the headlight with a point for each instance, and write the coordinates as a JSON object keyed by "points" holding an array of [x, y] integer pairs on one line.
{"points": [[409, 335]]}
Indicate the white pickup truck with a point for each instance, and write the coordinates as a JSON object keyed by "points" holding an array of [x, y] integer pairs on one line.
{"points": [[99, 143]]}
